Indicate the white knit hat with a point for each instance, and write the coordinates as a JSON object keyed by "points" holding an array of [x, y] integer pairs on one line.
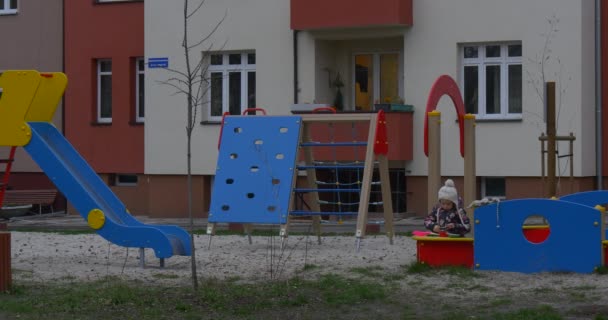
{"points": [[448, 192]]}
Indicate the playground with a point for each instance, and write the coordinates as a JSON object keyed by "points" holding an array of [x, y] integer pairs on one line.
{"points": [[259, 160]]}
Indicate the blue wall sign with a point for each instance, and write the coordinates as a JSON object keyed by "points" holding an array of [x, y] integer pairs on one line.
{"points": [[158, 62]]}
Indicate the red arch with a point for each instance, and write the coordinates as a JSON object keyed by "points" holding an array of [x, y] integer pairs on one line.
{"points": [[444, 85]]}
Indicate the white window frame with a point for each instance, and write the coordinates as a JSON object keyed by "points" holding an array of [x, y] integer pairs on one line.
{"points": [[138, 85], [244, 68], [7, 9], [99, 75], [504, 61], [483, 190], [376, 76]]}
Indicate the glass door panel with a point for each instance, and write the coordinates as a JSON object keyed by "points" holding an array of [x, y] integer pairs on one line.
{"points": [[389, 82], [364, 82]]}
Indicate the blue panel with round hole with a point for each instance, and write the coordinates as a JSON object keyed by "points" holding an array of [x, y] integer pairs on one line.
{"points": [[255, 169], [573, 245]]}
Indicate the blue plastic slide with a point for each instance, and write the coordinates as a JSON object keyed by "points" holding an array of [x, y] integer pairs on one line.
{"points": [[87, 192]]}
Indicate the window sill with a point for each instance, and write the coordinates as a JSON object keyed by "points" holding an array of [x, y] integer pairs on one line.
{"points": [[490, 120], [499, 120], [100, 124], [210, 123], [115, 1], [9, 13]]}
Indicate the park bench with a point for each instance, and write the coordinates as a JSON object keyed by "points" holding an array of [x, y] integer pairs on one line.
{"points": [[40, 197]]}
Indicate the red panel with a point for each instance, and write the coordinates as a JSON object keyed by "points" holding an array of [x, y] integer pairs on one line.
{"points": [[399, 128], [321, 14], [444, 85], [438, 253], [113, 31], [381, 143]]}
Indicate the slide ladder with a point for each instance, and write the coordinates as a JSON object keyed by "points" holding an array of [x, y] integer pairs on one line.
{"points": [[8, 163]]}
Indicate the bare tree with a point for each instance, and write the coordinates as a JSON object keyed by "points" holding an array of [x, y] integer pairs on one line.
{"points": [[193, 84], [538, 75]]}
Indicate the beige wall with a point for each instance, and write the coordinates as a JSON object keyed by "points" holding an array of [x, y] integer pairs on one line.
{"points": [[261, 25], [429, 50], [32, 39], [504, 148]]}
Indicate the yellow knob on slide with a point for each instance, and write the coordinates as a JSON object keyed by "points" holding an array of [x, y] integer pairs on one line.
{"points": [[96, 219]]}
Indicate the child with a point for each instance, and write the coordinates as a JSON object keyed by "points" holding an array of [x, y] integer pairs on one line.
{"points": [[448, 215]]}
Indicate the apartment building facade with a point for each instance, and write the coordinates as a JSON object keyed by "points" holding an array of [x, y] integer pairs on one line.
{"points": [[276, 53], [391, 48]]}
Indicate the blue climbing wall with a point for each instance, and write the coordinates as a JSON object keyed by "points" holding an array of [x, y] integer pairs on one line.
{"points": [[255, 169], [574, 243]]}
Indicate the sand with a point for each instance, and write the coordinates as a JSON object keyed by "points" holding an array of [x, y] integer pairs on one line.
{"points": [[56, 257], [51, 257]]}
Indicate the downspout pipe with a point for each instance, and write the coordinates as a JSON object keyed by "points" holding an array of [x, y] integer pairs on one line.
{"points": [[295, 66], [598, 97]]}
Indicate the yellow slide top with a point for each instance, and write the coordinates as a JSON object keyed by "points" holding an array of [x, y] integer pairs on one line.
{"points": [[27, 96]]}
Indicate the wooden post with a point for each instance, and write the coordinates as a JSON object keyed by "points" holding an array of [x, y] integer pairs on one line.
{"points": [[5, 261], [571, 150], [550, 90], [602, 226], [542, 163], [470, 183], [434, 160]]}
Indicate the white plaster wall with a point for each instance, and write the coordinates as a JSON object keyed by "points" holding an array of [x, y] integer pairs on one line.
{"points": [[326, 70], [430, 49], [504, 148], [306, 70], [261, 25]]}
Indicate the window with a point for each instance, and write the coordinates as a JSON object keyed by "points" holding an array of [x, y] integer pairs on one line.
{"points": [[8, 7], [139, 89], [493, 187], [126, 180], [232, 84], [377, 77], [104, 91], [492, 80]]}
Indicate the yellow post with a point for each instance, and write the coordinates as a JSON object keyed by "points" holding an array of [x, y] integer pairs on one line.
{"points": [[470, 183], [434, 160]]}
